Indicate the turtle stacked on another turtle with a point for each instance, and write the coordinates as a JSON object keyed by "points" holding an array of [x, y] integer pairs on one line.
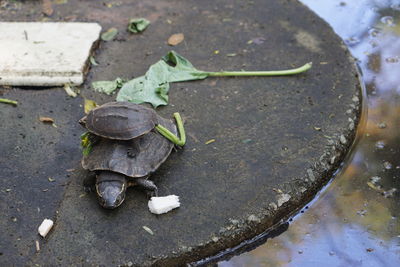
{"points": [[125, 143]]}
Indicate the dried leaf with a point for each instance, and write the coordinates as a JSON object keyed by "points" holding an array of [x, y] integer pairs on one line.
{"points": [[47, 8], [46, 119], [109, 34], [138, 25], [175, 39], [89, 105]]}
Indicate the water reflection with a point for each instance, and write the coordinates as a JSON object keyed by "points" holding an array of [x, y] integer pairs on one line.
{"points": [[355, 221]]}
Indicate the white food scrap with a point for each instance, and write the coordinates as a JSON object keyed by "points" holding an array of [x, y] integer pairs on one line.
{"points": [[160, 205], [45, 227], [147, 229]]}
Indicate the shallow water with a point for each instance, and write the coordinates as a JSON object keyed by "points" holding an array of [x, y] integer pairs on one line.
{"points": [[355, 220]]}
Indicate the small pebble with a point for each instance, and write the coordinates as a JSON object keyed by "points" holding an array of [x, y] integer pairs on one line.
{"points": [[380, 144], [382, 125], [387, 165]]}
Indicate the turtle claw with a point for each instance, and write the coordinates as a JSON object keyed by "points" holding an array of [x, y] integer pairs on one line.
{"points": [[152, 193]]}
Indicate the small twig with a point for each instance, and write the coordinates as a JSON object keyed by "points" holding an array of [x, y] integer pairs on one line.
{"points": [[8, 101], [37, 246]]}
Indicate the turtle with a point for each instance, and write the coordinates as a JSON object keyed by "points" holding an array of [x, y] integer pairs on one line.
{"points": [[118, 164], [125, 120]]}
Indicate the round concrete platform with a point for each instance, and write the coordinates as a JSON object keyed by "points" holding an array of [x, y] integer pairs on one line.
{"points": [[277, 140]]}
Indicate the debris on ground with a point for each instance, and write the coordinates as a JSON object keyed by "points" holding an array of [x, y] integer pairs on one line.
{"points": [[46, 120], [93, 61], [45, 227], [210, 141], [37, 246], [107, 87], [147, 229], [89, 105], [8, 101], [160, 205], [47, 8], [109, 35], [176, 39], [68, 89], [382, 125], [138, 25]]}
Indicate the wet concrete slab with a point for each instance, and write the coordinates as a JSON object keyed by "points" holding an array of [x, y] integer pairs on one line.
{"points": [[277, 140]]}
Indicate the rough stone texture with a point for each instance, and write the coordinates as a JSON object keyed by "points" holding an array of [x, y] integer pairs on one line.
{"points": [[278, 140], [45, 54]]}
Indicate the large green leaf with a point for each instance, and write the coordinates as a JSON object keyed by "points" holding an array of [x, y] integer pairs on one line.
{"points": [[153, 87]]}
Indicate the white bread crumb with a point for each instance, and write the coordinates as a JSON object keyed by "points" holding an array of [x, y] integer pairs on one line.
{"points": [[160, 205], [45, 227]]}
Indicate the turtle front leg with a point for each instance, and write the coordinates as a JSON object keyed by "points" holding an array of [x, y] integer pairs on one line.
{"points": [[181, 141], [89, 182], [148, 185]]}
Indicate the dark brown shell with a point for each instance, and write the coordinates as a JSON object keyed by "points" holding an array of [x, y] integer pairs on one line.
{"points": [[120, 120], [134, 158]]}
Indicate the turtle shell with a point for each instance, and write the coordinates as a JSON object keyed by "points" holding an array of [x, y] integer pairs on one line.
{"points": [[120, 120], [134, 158]]}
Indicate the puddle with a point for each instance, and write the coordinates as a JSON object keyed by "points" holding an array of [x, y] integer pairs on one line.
{"points": [[354, 222]]}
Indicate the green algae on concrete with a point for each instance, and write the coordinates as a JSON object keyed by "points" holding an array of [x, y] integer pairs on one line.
{"points": [[277, 140]]}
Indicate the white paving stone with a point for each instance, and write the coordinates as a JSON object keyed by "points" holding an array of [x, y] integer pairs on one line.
{"points": [[45, 53]]}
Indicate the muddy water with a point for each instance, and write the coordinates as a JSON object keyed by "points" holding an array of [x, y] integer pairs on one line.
{"points": [[355, 220]]}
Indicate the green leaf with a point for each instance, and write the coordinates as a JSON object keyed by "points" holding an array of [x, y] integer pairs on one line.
{"points": [[107, 87], [141, 90], [153, 87], [109, 34], [138, 25], [86, 143]]}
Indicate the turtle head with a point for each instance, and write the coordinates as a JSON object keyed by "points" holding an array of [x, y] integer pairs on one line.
{"points": [[110, 191]]}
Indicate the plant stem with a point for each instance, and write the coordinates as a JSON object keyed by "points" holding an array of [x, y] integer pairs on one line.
{"points": [[301, 69], [172, 137], [8, 101]]}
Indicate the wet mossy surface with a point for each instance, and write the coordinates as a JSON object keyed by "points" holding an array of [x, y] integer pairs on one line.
{"points": [[277, 140]]}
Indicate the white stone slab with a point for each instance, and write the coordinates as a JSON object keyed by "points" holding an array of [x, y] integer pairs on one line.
{"points": [[45, 53]]}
